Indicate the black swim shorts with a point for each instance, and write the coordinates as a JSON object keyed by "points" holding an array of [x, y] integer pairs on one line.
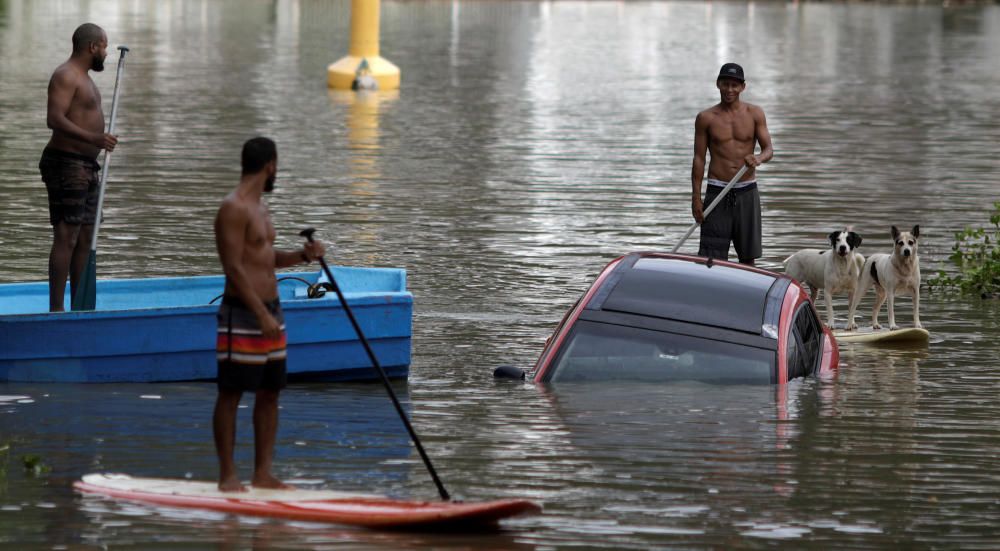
{"points": [[247, 360], [72, 182], [735, 219]]}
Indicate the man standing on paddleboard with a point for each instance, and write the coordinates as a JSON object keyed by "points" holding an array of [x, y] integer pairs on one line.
{"points": [[69, 162], [251, 331], [730, 131]]}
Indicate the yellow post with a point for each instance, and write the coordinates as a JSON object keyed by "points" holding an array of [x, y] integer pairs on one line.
{"points": [[363, 67]]}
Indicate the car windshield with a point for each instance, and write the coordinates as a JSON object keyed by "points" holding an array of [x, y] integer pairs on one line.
{"points": [[605, 352]]}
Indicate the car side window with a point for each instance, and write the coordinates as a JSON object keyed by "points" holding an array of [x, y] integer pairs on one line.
{"points": [[804, 343]]}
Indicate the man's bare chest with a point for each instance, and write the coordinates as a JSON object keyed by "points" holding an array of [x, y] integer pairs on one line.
{"points": [[727, 129], [87, 97], [260, 231]]}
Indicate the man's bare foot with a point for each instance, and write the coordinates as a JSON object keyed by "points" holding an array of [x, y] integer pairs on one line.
{"points": [[231, 484], [268, 481]]}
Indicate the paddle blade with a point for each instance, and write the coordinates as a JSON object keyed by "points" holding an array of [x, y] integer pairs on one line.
{"points": [[85, 296]]}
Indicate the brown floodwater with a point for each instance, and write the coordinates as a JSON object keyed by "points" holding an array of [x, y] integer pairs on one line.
{"points": [[530, 144]]}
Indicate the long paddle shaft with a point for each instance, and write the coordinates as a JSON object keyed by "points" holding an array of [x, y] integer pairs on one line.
{"points": [[711, 206], [85, 297], [308, 234]]}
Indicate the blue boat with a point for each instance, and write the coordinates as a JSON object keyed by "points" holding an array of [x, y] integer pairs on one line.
{"points": [[163, 329]]}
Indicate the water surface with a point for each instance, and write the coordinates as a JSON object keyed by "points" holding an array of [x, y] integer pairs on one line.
{"points": [[530, 144]]}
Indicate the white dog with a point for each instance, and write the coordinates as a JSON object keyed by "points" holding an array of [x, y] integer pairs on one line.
{"points": [[891, 274], [835, 270]]}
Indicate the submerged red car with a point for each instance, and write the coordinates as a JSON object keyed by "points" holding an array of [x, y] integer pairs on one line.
{"points": [[665, 317]]}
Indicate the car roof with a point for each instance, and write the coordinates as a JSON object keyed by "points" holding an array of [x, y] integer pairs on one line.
{"points": [[688, 289]]}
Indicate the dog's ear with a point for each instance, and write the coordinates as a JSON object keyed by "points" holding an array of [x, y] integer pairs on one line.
{"points": [[854, 239], [895, 233], [916, 231], [833, 237]]}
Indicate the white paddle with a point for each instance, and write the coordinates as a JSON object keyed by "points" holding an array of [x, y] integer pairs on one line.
{"points": [[711, 206], [85, 297]]}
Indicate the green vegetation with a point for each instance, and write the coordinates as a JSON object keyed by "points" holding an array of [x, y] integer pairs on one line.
{"points": [[4, 460], [33, 465], [976, 253]]}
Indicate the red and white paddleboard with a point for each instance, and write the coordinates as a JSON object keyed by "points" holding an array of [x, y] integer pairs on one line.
{"points": [[371, 511]]}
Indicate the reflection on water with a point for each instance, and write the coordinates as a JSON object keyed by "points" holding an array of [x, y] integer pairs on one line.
{"points": [[363, 110], [363, 169], [531, 143], [355, 423]]}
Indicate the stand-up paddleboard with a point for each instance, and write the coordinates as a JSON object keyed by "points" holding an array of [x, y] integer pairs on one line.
{"points": [[913, 335], [370, 511]]}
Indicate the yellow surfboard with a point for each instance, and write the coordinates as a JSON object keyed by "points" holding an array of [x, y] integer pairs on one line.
{"points": [[913, 335]]}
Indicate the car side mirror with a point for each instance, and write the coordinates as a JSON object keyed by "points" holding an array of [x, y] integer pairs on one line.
{"points": [[509, 372]]}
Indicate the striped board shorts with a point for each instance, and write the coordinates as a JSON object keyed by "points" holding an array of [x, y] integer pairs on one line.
{"points": [[247, 360]]}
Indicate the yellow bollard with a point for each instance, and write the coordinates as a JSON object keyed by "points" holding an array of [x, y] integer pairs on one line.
{"points": [[363, 67]]}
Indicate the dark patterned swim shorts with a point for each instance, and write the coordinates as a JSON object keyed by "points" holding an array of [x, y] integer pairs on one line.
{"points": [[72, 181], [736, 219]]}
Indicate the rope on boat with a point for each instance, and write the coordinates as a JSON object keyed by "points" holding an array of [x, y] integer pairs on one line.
{"points": [[313, 290]]}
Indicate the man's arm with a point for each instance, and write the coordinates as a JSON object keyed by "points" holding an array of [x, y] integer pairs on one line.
{"points": [[230, 239], [763, 136], [311, 251], [698, 165], [62, 88]]}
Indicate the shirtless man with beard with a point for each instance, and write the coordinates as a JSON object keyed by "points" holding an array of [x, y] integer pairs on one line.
{"points": [[69, 162], [250, 338]]}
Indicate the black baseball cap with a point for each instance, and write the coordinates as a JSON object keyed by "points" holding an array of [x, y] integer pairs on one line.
{"points": [[732, 70]]}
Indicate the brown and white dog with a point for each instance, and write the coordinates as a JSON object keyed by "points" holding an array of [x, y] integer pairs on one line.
{"points": [[835, 270], [891, 274]]}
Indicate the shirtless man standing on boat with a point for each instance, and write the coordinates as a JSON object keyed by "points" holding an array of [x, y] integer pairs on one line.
{"points": [[730, 131], [250, 342], [69, 162]]}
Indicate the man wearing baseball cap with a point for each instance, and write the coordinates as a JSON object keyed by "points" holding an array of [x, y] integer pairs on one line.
{"points": [[729, 131]]}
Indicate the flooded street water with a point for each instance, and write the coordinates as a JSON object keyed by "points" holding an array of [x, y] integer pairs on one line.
{"points": [[530, 144]]}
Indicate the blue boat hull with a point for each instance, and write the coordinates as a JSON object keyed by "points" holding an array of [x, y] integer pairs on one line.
{"points": [[164, 329]]}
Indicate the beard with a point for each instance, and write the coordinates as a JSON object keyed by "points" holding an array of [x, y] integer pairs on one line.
{"points": [[269, 184], [97, 64]]}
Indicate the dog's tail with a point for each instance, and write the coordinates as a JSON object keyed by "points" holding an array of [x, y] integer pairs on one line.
{"points": [[859, 261]]}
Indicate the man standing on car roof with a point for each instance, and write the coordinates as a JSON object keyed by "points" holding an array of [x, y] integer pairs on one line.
{"points": [[730, 131]]}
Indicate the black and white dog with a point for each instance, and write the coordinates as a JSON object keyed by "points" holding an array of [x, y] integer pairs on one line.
{"points": [[835, 270], [891, 274]]}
